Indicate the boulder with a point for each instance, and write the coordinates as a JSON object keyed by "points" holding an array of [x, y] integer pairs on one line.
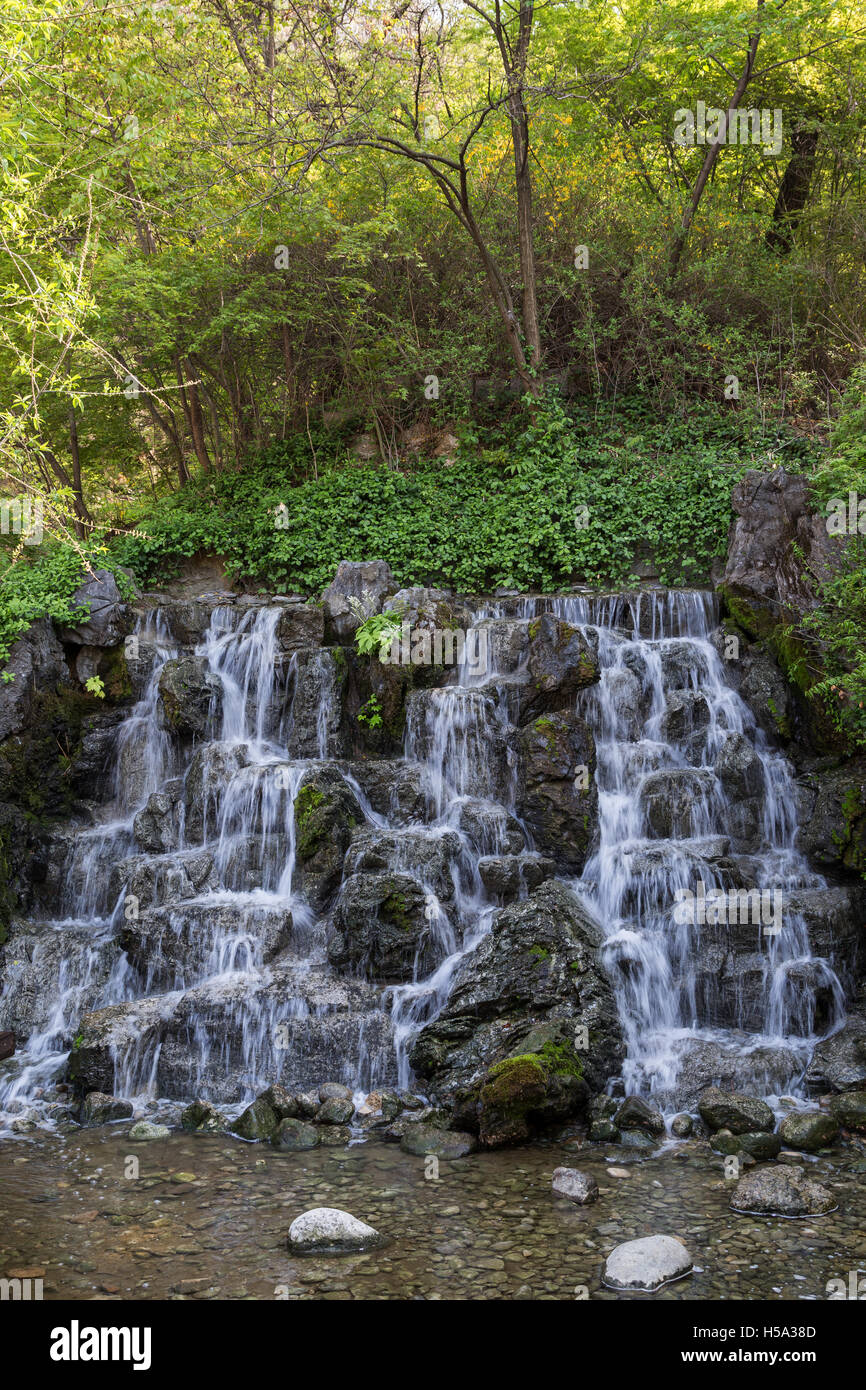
{"points": [[300, 625], [682, 1126], [381, 927], [284, 1105], [781, 1191], [203, 1118], [292, 1136], [145, 1130], [37, 664], [556, 791], [738, 1113], [108, 618], [334, 1110], [369, 583], [327, 811], [576, 1186], [647, 1264], [421, 1139], [849, 1110], [559, 663], [839, 1063], [100, 1109], [759, 1144], [329, 1231], [778, 546], [809, 1130], [523, 998], [635, 1113], [832, 807], [257, 1122], [739, 768], [189, 696]]}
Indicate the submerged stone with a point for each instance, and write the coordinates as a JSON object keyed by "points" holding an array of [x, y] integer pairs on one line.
{"points": [[330, 1231]]}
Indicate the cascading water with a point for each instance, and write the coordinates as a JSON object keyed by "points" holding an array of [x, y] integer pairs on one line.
{"points": [[185, 916]]}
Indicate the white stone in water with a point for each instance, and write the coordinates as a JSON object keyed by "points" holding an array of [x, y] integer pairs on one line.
{"points": [[329, 1228], [576, 1186], [646, 1264]]}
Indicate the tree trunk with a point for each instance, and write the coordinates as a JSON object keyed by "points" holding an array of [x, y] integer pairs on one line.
{"points": [[793, 191]]}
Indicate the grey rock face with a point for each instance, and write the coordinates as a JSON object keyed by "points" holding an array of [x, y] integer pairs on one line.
{"points": [[773, 517], [327, 812], [190, 696], [557, 795], [109, 618], [369, 582], [539, 966], [37, 663], [382, 927]]}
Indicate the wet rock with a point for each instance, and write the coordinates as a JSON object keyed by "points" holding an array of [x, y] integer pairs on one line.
{"points": [[576, 1186], [382, 1105], [213, 766], [646, 1264], [329, 1231], [738, 1113], [809, 1130], [333, 1090], [292, 1135], [300, 625], [850, 1110], [766, 691], [671, 801], [839, 1063], [433, 856], [491, 829], [763, 580], [257, 1122], [326, 813], [315, 697], [637, 1139], [283, 1104], [739, 768], [157, 825], [635, 1113], [759, 1144], [203, 1118], [145, 1130], [369, 583], [309, 1103], [398, 790], [781, 1191], [508, 877], [600, 1114], [335, 1110], [189, 695], [36, 661], [108, 618], [682, 1126], [526, 989], [335, 1136], [833, 815], [687, 712], [557, 795], [100, 1109], [382, 927], [559, 663], [424, 1139]]}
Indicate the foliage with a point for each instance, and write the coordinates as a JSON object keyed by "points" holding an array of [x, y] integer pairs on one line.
{"points": [[377, 633], [506, 512]]}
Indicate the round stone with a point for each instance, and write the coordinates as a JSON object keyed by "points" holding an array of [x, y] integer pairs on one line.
{"points": [[781, 1191], [576, 1186], [144, 1130], [647, 1264], [328, 1230]]}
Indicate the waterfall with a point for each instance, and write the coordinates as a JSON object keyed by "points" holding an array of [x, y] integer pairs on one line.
{"points": [[185, 914]]}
